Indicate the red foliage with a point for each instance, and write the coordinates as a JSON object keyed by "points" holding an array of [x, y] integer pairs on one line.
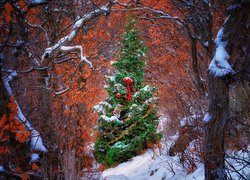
{"points": [[8, 9]]}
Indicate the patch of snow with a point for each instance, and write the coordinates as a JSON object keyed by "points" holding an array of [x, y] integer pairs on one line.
{"points": [[34, 157], [136, 107], [207, 117], [136, 94], [189, 120], [220, 66], [72, 35], [151, 100], [101, 107], [36, 142], [1, 57], [120, 144], [206, 44], [1, 169], [162, 121], [147, 88], [104, 8], [239, 161], [234, 7], [78, 23], [19, 42], [116, 177], [111, 78], [110, 119], [197, 174], [119, 87], [11, 76], [37, 1]]}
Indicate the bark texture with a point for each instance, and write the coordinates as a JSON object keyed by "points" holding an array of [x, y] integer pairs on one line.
{"points": [[236, 35]]}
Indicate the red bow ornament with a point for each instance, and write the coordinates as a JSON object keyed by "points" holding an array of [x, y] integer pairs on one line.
{"points": [[128, 81]]}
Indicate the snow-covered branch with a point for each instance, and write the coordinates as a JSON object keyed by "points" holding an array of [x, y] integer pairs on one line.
{"points": [[36, 142], [158, 14], [219, 65], [63, 44], [37, 1], [66, 49], [57, 92]]}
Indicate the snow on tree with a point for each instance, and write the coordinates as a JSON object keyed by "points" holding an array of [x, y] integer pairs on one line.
{"points": [[128, 118]]}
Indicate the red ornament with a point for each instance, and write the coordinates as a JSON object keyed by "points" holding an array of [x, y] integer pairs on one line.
{"points": [[118, 95], [128, 81]]}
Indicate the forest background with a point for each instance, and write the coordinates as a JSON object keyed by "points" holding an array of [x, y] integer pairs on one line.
{"points": [[45, 80]]}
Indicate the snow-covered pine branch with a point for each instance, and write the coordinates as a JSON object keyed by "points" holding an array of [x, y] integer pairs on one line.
{"points": [[36, 142], [219, 65]]}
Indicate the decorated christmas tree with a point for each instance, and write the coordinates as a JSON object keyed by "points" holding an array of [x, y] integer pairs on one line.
{"points": [[127, 122]]}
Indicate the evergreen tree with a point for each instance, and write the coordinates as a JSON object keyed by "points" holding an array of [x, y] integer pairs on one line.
{"points": [[127, 119]]}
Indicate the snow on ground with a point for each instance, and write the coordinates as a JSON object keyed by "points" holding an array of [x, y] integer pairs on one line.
{"points": [[156, 165], [152, 165], [148, 167]]}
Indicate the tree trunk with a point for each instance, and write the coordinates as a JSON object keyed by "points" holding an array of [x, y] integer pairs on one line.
{"points": [[214, 137], [236, 31], [4, 98], [50, 159]]}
